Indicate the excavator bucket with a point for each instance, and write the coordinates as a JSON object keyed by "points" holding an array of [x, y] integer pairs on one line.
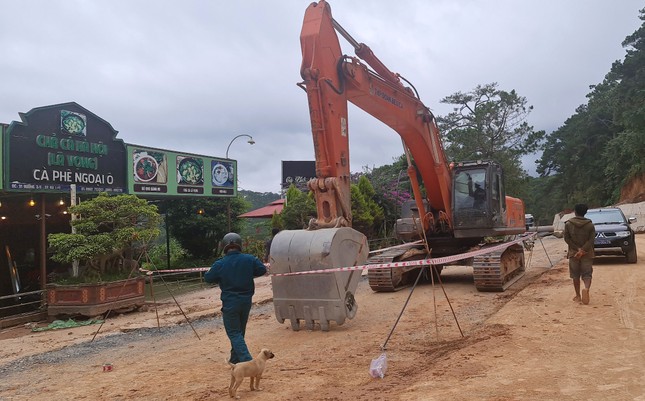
{"points": [[322, 297]]}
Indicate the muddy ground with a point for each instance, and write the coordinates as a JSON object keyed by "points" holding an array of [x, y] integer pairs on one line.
{"points": [[530, 342]]}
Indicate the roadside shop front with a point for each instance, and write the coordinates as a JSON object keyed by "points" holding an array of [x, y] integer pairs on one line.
{"points": [[58, 155]]}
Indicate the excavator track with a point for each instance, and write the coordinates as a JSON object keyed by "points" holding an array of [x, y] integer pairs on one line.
{"points": [[392, 279], [385, 280], [496, 271]]}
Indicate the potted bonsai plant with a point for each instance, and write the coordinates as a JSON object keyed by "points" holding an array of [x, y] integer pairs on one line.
{"points": [[107, 233]]}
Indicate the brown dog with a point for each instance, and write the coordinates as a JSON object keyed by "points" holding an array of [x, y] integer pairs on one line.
{"points": [[252, 369]]}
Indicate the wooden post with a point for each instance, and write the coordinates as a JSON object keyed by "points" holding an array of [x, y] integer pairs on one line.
{"points": [[43, 249], [72, 193]]}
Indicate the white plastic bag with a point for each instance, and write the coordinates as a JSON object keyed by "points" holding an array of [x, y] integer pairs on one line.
{"points": [[378, 367]]}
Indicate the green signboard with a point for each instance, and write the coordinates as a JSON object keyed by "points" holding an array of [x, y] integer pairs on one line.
{"points": [[161, 172]]}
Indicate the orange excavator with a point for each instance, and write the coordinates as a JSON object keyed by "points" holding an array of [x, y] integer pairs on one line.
{"points": [[456, 205]]}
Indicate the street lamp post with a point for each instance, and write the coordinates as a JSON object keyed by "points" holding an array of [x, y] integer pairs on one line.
{"points": [[228, 200], [250, 141]]}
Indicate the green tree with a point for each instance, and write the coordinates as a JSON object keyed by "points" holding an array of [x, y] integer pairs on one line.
{"points": [[627, 147], [258, 199], [538, 203], [573, 155], [199, 223], [157, 256], [276, 221], [629, 77], [299, 208], [367, 214], [391, 188], [600, 147], [490, 124], [362, 219], [107, 233]]}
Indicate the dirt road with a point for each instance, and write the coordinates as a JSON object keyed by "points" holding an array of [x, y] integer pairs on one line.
{"points": [[530, 342]]}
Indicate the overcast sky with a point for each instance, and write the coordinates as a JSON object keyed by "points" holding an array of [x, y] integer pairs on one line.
{"points": [[191, 75]]}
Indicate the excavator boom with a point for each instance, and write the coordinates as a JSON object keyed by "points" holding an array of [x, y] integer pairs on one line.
{"points": [[331, 81]]}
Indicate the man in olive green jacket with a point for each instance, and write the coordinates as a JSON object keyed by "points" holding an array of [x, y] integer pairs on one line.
{"points": [[579, 234]]}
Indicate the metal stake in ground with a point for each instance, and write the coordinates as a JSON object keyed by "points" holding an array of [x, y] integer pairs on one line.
{"points": [[543, 247], [171, 294], [449, 304], [179, 306], [154, 300], [384, 346]]}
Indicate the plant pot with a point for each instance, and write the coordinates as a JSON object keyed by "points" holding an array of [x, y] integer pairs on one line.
{"points": [[94, 299]]}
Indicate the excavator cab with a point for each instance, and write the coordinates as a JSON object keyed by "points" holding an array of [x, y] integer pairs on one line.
{"points": [[479, 200]]}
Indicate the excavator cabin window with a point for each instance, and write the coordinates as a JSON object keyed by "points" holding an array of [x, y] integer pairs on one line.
{"points": [[471, 190]]}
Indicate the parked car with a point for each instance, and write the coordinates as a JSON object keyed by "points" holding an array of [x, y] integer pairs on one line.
{"points": [[614, 235], [529, 221]]}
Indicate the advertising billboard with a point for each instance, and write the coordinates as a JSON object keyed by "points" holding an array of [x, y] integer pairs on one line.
{"points": [[153, 171], [297, 172]]}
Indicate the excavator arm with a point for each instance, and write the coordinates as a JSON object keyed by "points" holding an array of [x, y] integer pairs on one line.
{"points": [[328, 113], [331, 80]]}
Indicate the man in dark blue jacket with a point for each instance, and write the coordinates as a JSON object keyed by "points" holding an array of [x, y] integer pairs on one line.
{"points": [[234, 273]]}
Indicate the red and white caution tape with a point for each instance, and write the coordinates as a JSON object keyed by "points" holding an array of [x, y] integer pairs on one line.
{"points": [[187, 270], [423, 262]]}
